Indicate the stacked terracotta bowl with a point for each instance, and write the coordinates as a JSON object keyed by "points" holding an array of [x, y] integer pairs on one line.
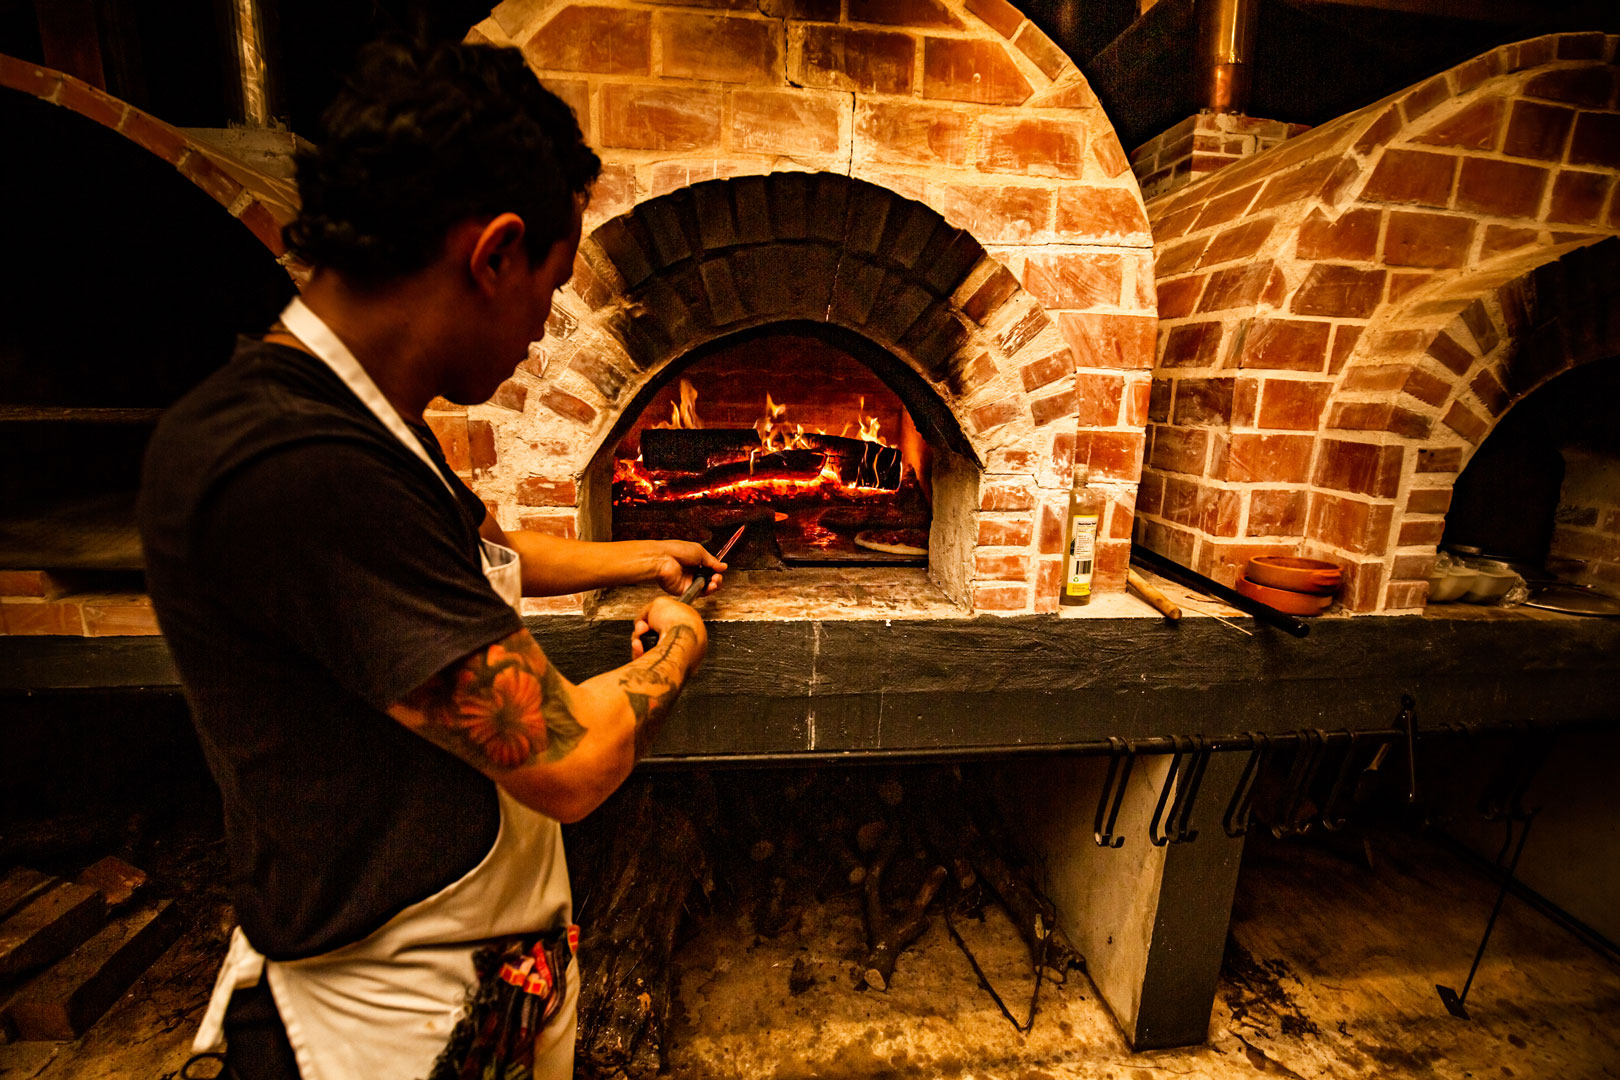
{"points": [[1291, 585]]}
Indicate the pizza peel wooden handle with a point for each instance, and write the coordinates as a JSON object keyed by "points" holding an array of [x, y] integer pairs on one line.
{"points": [[1160, 602]]}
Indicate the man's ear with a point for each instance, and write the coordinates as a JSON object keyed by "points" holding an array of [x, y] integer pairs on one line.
{"points": [[492, 252]]}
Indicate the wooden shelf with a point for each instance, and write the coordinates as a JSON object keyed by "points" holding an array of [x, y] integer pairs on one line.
{"points": [[92, 533]]}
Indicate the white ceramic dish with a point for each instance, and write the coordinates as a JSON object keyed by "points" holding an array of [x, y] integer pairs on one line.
{"points": [[1450, 585], [1490, 586]]}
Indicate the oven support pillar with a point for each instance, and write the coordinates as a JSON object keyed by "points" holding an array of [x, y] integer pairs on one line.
{"points": [[1150, 921]]}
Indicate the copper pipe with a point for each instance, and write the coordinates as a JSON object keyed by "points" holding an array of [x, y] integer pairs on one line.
{"points": [[1225, 53], [250, 63]]}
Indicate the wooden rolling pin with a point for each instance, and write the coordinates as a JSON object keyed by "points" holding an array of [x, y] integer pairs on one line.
{"points": [[1160, 602]]}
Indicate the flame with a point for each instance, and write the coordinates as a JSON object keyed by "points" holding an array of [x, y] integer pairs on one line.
{"points": [[683, 414]]}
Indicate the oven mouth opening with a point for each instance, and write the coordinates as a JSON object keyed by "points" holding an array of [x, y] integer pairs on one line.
{"points": [[829, 452]]}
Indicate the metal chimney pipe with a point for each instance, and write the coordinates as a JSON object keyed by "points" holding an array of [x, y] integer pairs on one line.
{"points": [[251, 63], [1225, 53]]}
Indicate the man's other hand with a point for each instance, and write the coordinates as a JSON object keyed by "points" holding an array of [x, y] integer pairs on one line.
{"points": [[662, 617]]}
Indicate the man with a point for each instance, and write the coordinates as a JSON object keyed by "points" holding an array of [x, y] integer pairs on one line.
{"points": [[340, 605]]}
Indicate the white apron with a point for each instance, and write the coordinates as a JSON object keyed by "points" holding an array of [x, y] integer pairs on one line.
{"points": [[382, 1008]]}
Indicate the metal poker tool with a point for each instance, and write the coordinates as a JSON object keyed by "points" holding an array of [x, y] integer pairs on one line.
{"points": [[700, 581]]}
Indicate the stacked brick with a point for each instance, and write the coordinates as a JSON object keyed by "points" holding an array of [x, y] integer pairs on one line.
{"points": [[934, 175], [1202, 144], [262, 203], [1343, 318]]}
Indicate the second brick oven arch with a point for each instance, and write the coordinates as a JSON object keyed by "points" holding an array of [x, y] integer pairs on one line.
{"points": [[728, 256]]}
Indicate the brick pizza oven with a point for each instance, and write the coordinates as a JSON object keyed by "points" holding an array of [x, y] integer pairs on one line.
{"points": [[935, 179]]}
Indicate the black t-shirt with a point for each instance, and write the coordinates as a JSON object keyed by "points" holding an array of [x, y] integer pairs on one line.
{"points": [[308, 571]]}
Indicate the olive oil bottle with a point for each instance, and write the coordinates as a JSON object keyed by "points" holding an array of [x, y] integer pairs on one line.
{"points": [[1080, 540]]}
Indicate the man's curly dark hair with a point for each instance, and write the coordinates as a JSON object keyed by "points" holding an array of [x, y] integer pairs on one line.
{"points": [[422, 137]]}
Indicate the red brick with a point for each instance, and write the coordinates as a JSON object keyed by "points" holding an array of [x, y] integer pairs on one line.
{"points": [[91, 102], [1110, 156], [1220, 210], [1175, 544], [1350, 524], [1048, 580], [1401, 284], [1286, 344], [1474, 128], [661, 118], [1245, 402], [784, 122], [1308, 181], [1006, 495], [1578, 197], [1184, 450], [1046, 371], [1001, 16], [1002, 214], [1500, 238], [1293, 404], [1032, 146], [1424, 98], [1500, 188], [1178, 298], [903, 13], [1235, 287], [114, 616], [1169, 226], [606, 41], [1363, 468], [1111, 455], [1412, 567], [864, 61], [263, 224], [911, 134], [1005, 531], [1588, 45], [1041, 51], [1537, 131], [1276, 512], [549, 524], [1437, 240], [1352, 236], [1219, 510], [1225, 561], [1051, 530], [993, 416], [1098, 215], [1440, 460], [1138, 401], [1241, 241], [1099, 398], [1075, 280], [1411, 176], [963, 69], [1596, 140], [1428, 500], [1344, 343], [1463, 421], [1380, 131], [1178, 258], [1415, 533], [1426, 387], [539, 491], [481, 445], [1109, 341], [1272, 459], [451, 433], [1203, 402], [214, 180], [988, 567], [988, 297], [1057, 407], [1445, 349], [720, 47], [567, 405], [1469, 75], [1000, 597], [1489, 392], [1192, 345], [1591, 86], [1342, 291]]}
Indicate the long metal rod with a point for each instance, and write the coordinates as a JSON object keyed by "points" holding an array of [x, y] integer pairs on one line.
{"points": [[1159, 564], [1163, 744]]}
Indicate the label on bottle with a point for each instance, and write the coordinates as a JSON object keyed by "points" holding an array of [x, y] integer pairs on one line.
{"points": [[1082, 552]]}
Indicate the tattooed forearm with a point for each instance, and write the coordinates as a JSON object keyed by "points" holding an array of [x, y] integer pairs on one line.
{"points": [[652, 684], [501, 709]]}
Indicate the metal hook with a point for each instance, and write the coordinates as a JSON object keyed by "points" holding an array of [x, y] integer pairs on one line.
{"points": [[1236, 819], [1187, 793], [1118, 749], [1160, 838], [1307, 760], [1408, 722], [1331, 821]]}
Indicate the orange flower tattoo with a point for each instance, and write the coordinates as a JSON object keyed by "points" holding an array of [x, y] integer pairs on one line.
{"points": [[503, 718]]}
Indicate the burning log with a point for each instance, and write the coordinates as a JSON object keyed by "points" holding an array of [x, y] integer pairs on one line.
{"points": [[792, 466], [858, 462]]}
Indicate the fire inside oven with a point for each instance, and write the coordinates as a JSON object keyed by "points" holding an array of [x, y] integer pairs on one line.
{"points": [[786, 433]]}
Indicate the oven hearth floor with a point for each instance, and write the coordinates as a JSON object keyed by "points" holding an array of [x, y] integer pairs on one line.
{"points": [[1329, 974]]}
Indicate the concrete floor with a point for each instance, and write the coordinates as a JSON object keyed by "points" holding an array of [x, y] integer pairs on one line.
{"points": [[1329, 973]]}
